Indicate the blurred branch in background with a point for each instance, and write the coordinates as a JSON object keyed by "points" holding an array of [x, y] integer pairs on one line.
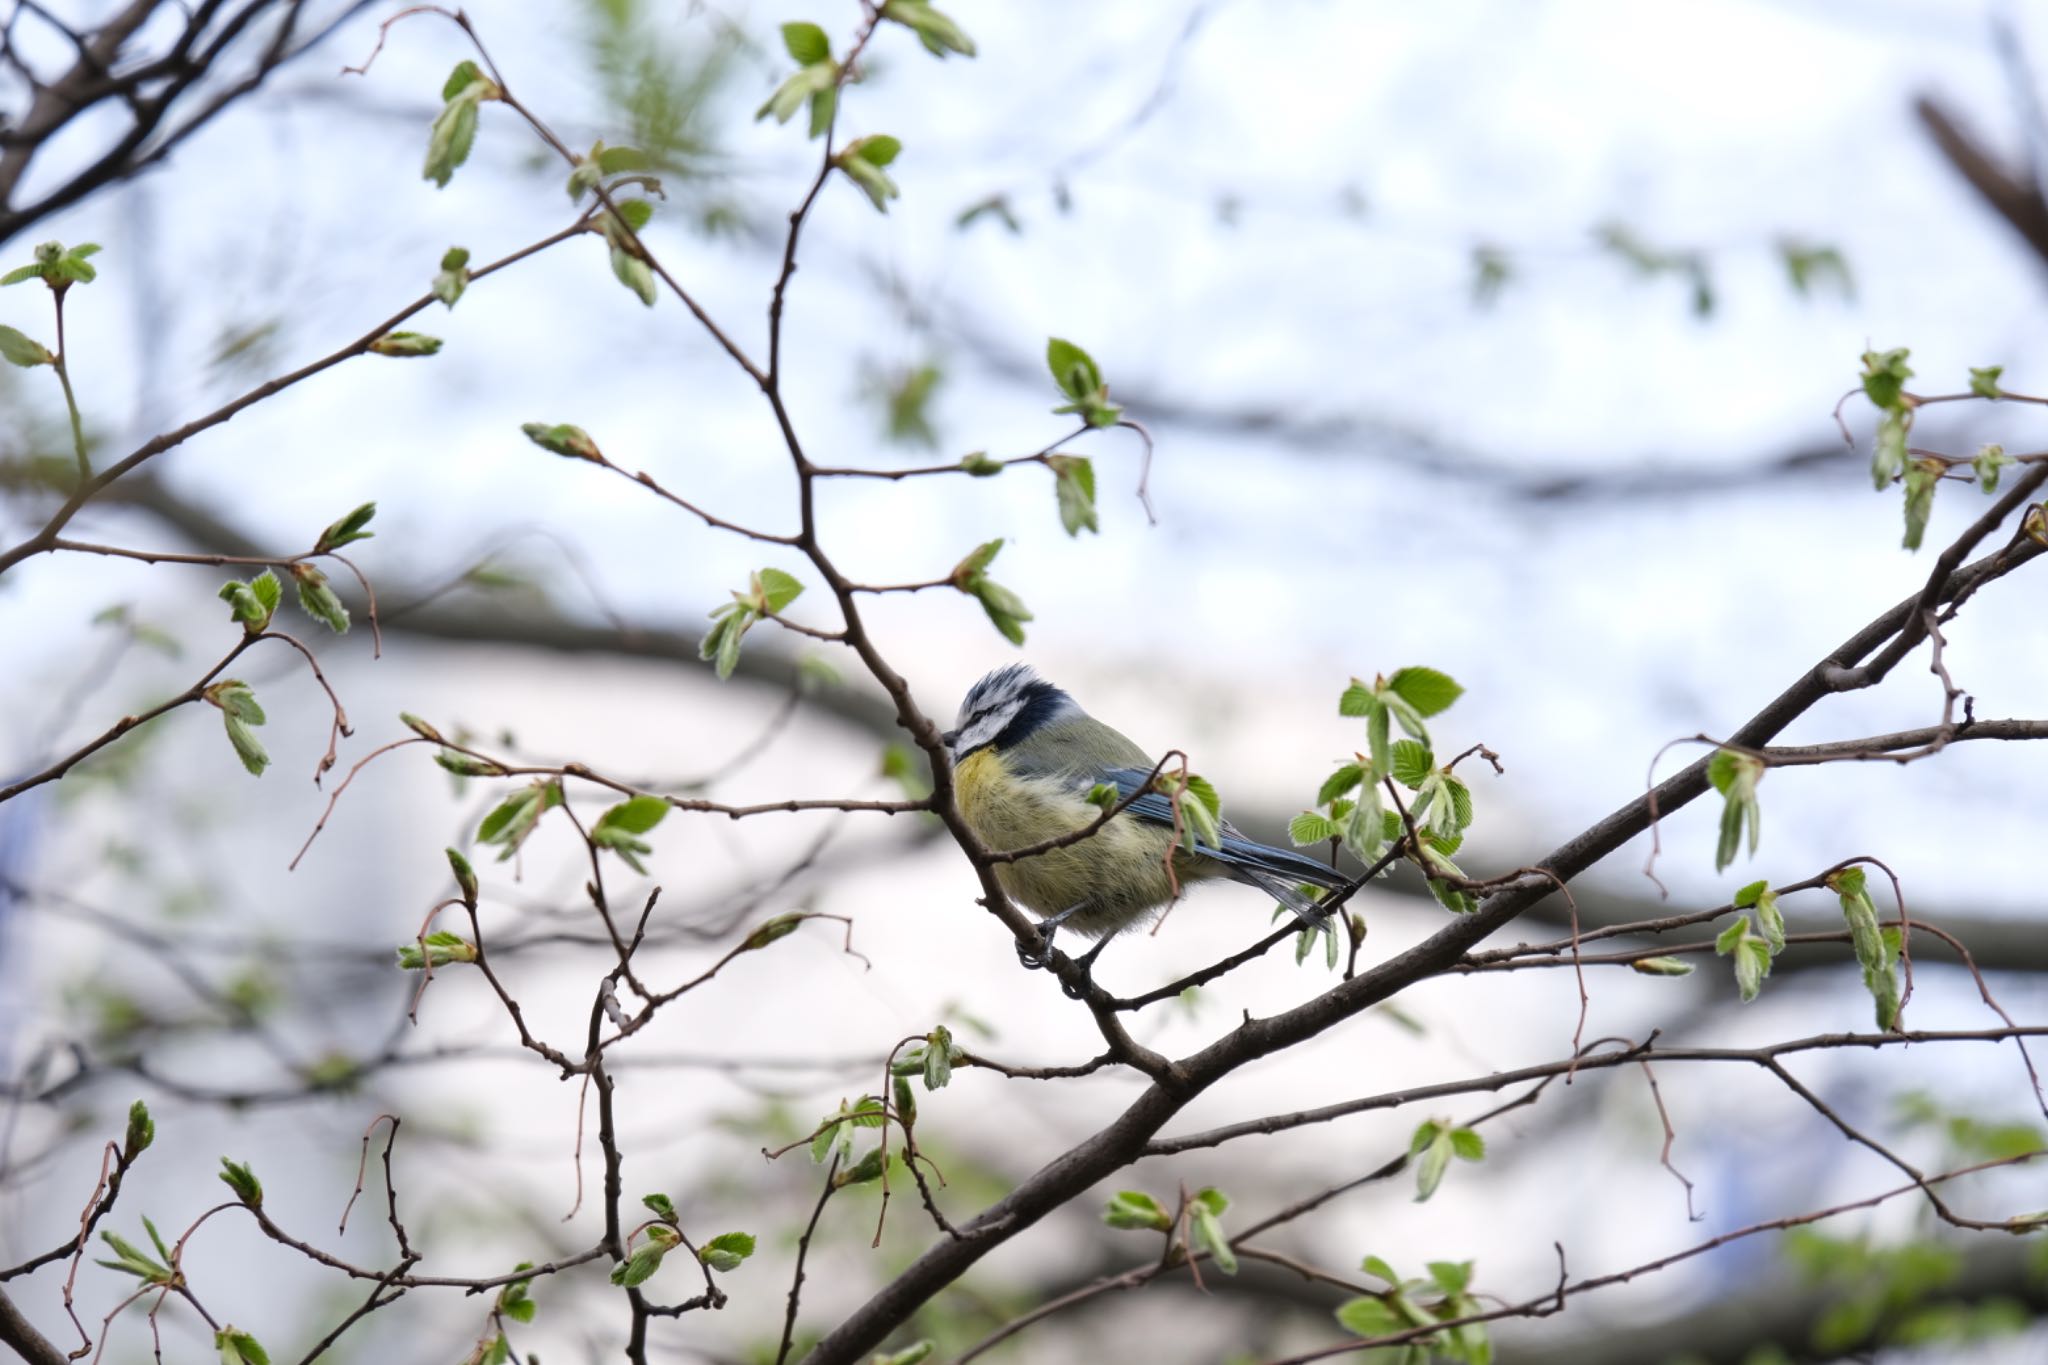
{"points": [[201, 64]]}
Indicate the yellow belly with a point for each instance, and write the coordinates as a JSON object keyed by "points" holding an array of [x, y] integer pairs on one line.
{"points": [[1119, 872]]}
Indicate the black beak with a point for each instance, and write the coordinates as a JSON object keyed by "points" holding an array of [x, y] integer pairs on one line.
{"points": [[950, 738]]}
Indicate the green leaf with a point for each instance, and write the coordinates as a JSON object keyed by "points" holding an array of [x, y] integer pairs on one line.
{"points": [[862, 160], [1374, 1265], [318, 600], [636, 815], [465, 74], [1884, 377], [1453, 1277], [1922, 476], [877, 150], [1661, 966], [909, 1355], [1425, 689], [1208, 1230], [1735, 776], [634, 273], [938, 1058], [516, 817], [239, 1348], [1726, 941], [1340, 782], [869, 1167], [238, 1177], [1357, 700], [980, 465], [453, 277], [1984, 381], [1435, 1160], [140, 1133], [1987, 464], [563, 438], [21, 350], [1310, 828], [1103, 794], [405, 345], [454, 130], [726, 1251], [1771, 920], [346, 530], [1134, 1209], [1412, 762], [465, 876], [1469, 1146], [639, 1267], [1749, 895], [1888, 452], [935, 30], [1073, 369], [775, 589], [1074, 483], [806, 43], [1367, 1316], [1752, 965]]}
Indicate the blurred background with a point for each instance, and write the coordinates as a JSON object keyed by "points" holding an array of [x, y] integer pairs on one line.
{"points": [[1500, 338]]}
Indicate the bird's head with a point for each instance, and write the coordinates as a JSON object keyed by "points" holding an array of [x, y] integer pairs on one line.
{"points": [[1005, 708]]}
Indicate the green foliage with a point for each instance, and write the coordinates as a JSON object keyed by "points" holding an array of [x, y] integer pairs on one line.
{"points": [[862, 160], [1650, 261], [513, 819], [239, 1348], [1987, 464], [640, 1265], [346, 530], [318, 600], [405, 345], [254, 602], [725, 1251], [939, 34], [239, 711], [629, 261], [140, 1133], [1877, 950], [912, 1354], [1204, 1218], [768, 592], [1074, 482], [1435, 1142], [454, 128], [835, 1131], [1807, 265], [906, 767], [442, 948], [816, 80], [1006, 611], [562, 438], [56, 265], [906, 404], [139, 1263], [465, 877], [1136, 1210], [979, 465], [454, 275], [1752, 956], [514, 1301], [20, 349], [1735, 776], [1661, 966], [1922, 476], [1984, 381], [619, 827], [1412, 1304], [1080, 379], [237, 1176]]}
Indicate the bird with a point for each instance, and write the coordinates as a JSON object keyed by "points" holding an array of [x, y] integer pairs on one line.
{"points": [[1025, 758]]}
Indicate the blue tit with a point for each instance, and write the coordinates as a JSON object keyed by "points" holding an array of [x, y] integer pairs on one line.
{"points": [[1025, 756]]}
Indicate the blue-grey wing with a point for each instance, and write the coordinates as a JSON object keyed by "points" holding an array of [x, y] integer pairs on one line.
{"points": [[1236, 850]]}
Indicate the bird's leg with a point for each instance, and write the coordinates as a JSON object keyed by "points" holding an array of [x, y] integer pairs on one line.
{"points": [[1046, 926]]}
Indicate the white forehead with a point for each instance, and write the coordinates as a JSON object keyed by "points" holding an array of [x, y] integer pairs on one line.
{"points": [[1000, 691]]}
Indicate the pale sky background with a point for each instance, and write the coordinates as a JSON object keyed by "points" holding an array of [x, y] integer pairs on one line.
{"points": [[1288, 229]]}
